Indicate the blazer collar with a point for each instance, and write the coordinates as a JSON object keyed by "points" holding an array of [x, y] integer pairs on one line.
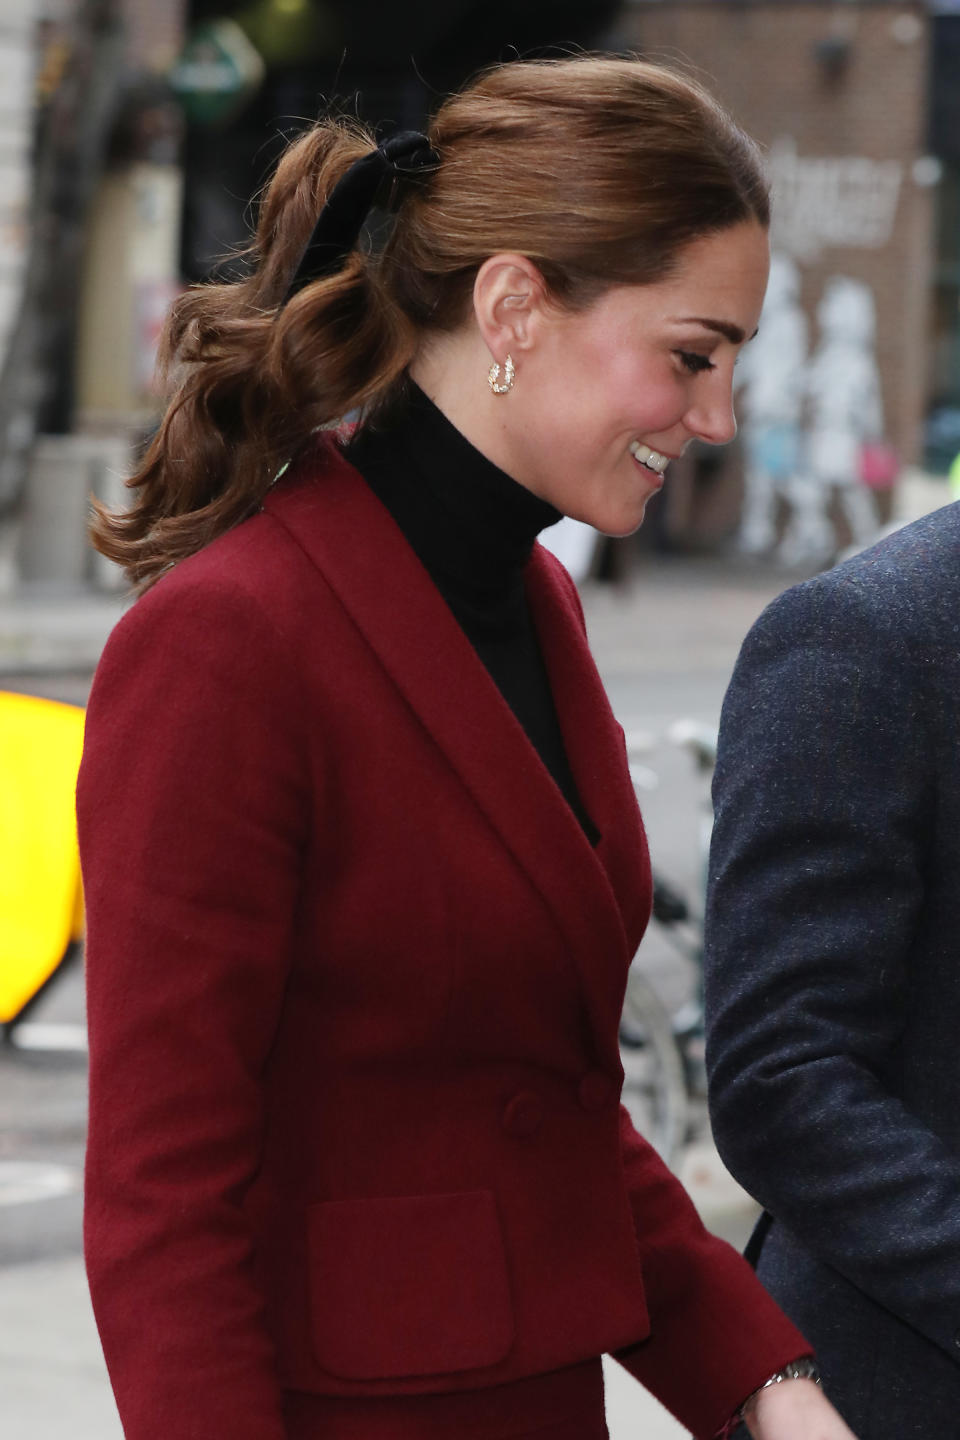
{"points": [[354, 542]]}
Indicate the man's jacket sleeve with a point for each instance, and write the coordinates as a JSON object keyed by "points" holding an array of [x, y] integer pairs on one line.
{"points": [[825, 797]]}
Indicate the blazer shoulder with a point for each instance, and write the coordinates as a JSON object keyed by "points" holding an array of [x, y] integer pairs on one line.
{"points": [[901, 593], [259, 559], [252, 583]]}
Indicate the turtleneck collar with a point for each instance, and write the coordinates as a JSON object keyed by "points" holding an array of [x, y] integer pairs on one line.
{"points": [[469, 522], [472, 528]]}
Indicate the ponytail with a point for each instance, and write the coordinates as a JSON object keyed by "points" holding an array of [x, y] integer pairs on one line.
{"points": [[255, 377]]}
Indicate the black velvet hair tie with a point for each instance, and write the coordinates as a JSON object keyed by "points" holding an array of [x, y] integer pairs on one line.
{"points": [[350, 201]]}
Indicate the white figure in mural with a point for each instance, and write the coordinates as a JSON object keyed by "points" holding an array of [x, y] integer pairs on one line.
{"points": [[770, 378], [844, 413]]}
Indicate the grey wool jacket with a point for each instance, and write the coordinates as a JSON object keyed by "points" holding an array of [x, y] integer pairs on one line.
{"points": [[833, 969]]}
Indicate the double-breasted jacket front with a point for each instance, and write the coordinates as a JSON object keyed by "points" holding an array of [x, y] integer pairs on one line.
{"points": [[355, 974]]}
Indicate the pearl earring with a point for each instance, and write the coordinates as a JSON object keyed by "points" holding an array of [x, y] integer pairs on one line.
{"points": [[493, 376]]}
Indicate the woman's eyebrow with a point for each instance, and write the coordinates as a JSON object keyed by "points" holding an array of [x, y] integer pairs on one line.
{"points": [[730, 332]]}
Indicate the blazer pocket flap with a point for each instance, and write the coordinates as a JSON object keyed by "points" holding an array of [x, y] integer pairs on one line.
{"points": [[415, 1285]]}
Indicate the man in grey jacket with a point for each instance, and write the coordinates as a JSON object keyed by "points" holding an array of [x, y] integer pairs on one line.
{"points": [[833, 970]]}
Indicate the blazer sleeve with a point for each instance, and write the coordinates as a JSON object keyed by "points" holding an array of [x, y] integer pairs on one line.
{"points": [[191, 808], [825, 799], [715, 1333]]}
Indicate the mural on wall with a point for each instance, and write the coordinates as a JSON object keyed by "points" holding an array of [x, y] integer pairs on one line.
{"points": [[811, 407], [770, 381], [844, 419], [813, 432], [822, 201]]}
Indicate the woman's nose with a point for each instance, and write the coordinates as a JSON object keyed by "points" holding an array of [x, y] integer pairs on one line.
{"points": [[712, 418]]}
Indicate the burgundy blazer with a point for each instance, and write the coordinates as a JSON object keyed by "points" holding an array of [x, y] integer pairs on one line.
{"points": [[355, 975]]}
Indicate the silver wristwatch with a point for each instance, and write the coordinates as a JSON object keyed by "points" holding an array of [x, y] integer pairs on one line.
{"points": [[803, 1369]]}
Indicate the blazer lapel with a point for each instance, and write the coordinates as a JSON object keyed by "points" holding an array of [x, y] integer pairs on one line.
{"points": [[356, 545], [596, 750]]}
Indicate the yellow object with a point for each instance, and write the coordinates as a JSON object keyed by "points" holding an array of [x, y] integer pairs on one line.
{"points": [[41, 904], [953, 477]]}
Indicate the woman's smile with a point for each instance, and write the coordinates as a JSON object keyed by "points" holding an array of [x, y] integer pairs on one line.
{"points": [[650, 459]]}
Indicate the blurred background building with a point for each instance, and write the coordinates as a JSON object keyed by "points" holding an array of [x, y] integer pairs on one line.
{"points": [[858, 107], [133, 134]]}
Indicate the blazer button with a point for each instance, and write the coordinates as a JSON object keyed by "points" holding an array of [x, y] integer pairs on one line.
{"points": [[523, 1115], [596, 1089]]}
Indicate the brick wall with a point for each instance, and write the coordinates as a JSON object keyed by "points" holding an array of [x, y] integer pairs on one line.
{"points": [[768, 62]]}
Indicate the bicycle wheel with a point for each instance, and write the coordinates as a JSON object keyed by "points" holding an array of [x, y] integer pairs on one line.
{"points": [[654, 1084]]}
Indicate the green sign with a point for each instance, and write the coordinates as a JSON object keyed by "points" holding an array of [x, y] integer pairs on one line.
{"points": [[217, 72]]}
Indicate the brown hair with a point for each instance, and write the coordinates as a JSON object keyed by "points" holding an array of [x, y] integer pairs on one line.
{"points": [[600, 170]]}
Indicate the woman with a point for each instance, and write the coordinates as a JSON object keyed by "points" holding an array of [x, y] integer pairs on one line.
{"points": [[364, 869]]}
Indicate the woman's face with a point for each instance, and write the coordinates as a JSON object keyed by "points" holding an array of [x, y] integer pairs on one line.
{"points": [[604, 398]]}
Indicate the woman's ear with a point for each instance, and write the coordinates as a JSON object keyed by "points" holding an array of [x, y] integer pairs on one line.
{"points": [[509, 296]]}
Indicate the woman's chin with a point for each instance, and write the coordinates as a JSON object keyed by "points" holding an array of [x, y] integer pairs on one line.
{"points": [[627, 522]]}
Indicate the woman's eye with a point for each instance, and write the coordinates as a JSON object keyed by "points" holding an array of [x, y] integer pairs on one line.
{"points": [[693, 362]]}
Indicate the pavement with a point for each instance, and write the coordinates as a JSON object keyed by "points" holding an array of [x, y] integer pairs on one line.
{"points": [[665, 643]]}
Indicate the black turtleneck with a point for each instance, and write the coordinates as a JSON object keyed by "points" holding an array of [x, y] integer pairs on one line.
{"points": [[473, 529]]}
